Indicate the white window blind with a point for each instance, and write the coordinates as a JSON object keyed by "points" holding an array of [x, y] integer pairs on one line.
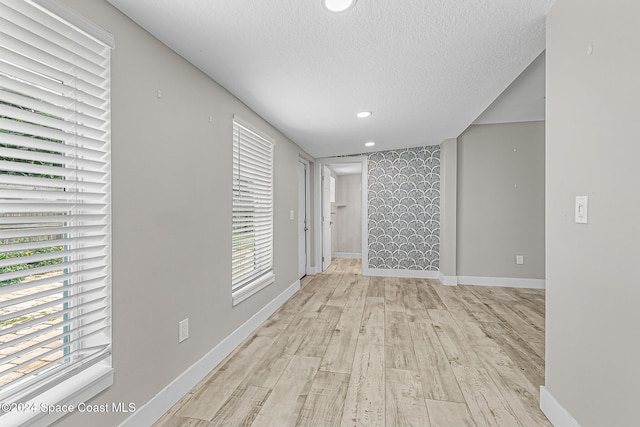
{"points": [[55, 275], [252, 237]]}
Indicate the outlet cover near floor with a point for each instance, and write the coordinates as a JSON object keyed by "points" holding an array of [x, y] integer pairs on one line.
{"points": [[183, 330]]}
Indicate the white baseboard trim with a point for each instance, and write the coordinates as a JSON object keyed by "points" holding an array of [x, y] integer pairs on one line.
{"points": [[388, 272], [311, 271], [151, 411], [448, 280], [505, 282], [346, 255], [558, 416]]}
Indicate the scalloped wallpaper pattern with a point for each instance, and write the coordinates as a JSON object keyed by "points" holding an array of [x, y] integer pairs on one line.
{"points": [[404, 209]]}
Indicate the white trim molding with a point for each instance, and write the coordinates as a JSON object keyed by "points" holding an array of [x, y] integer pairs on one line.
{"points": [[73, 392], [150, 412], [349, 255], [448, 280], [505, 282], [388, 272], [558, 416]]}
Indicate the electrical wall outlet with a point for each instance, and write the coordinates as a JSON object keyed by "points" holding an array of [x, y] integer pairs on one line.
{"points": [[183, 330], [519, 259]]}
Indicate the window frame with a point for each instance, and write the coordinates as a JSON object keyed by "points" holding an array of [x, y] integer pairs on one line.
{"points": [[29, 405], [258, 142]]}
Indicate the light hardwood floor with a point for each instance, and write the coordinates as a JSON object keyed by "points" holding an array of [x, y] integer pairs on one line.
{"points": [[348, 350]]}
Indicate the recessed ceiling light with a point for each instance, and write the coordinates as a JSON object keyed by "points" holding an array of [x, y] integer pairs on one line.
{"points": [[369, 144], [338, 5], [363, 114]]}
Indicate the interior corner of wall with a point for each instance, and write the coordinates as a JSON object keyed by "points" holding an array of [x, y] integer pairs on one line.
{"points": [[447, 280]]}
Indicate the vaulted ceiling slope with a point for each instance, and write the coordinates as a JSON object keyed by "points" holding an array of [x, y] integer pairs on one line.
{"points": [[425, 68]]}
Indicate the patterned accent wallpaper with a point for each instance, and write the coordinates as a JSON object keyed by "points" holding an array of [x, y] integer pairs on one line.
{"points": [[404, 209]]}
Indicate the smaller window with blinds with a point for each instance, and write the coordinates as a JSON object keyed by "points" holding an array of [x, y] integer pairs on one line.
{"points": [[252, 235]]}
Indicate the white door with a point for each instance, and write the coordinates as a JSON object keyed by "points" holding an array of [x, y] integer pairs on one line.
{"points": [[302, 219], [326, 217]]}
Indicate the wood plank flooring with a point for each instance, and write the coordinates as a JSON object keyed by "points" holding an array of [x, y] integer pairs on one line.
{"points": [[348, 350]]}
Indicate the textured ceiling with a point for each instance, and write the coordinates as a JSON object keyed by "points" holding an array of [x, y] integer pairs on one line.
{"points": [[426, 68]]}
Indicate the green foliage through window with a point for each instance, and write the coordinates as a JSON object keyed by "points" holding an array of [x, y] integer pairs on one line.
{"points": [[29, 265]]}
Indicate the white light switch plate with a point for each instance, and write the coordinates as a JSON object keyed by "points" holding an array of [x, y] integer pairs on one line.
{"points": [[292, 215], [582, 209]]}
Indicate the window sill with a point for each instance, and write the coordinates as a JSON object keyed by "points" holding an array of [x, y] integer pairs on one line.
{"points": [[62, 399], [257, 285]]}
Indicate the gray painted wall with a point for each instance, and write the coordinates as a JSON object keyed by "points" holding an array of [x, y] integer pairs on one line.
{"points": [[593, 344], [172, 214], [448, 206], [348, 217], [404, 209], [500, 203]]}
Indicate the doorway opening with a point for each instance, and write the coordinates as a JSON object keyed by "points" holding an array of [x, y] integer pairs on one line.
{"points": [[304, 218], [341, 220]]}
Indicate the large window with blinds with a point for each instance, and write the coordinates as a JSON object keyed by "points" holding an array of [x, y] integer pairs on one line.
{"points": [[55, 274], [252, 236]]}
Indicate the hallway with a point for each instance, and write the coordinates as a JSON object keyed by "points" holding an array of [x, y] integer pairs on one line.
{"points": [[352, 350]]}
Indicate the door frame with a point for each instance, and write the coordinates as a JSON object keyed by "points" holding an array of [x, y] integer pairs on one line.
{"points": [[364, 160], [307, 213]]}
